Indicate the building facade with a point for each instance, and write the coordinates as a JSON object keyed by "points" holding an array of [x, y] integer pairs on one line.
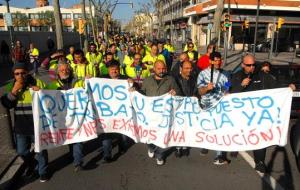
{"points": [[171, 22], [41, 18], [201, 12]]}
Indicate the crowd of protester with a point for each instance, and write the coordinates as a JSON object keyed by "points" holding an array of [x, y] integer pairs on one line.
{"points": [[150, 65]]}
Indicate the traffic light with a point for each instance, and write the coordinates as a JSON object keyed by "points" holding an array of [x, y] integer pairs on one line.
{"points": [[246, 23], [227, 23], [280, 22], [81, 24]]}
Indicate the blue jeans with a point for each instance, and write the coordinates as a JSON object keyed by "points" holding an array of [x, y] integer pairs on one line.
{"points": [[107, 144], [23, 150], [107, 139], [77, 151]]}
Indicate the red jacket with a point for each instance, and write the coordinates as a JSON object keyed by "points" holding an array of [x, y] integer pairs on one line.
{"points": [[203, 62]]}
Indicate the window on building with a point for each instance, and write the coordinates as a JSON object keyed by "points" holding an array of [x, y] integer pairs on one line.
{"points": [[1, 15], [21, 28], [34, 16], [77, 15], [66, 15], [39, 28]]}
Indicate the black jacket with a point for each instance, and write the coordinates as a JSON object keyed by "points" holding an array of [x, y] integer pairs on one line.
{"points": [[259, 81], [187, 87]]}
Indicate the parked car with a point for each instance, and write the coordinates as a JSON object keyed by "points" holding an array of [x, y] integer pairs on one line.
{"points": [[282, 46]]}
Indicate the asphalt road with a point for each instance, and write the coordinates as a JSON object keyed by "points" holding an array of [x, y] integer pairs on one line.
{"points": [[134, 170]]}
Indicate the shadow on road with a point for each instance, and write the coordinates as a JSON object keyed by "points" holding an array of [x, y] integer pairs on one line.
{"points": [[286, 179]]}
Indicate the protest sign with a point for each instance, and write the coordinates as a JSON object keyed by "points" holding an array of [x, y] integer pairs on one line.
{"points": [[239, 122]]}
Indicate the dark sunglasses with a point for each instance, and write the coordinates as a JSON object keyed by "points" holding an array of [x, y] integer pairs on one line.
{"points": [[250, 65], [21, 73]]}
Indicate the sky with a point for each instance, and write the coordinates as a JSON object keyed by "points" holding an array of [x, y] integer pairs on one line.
{"points": [[122, 12]]}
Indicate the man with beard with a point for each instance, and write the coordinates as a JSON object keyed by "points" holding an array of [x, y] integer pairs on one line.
{"points": [[158, 84], [65, 81]]}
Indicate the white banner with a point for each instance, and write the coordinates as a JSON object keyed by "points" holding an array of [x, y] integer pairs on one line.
{"points": [[239, 122]]}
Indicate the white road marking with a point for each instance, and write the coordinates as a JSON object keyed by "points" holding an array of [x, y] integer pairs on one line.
{"points": [[266, 177]]}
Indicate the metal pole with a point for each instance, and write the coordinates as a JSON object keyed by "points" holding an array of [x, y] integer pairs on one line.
{"points": [[256, 23], [227, 32], [225, 46], [10, 28], [277, 34]]}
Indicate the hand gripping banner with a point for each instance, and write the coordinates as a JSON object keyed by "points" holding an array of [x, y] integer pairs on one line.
{"points": [[239, 122]]}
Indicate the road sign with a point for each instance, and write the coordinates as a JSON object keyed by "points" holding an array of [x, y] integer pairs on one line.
{"points": [[8, 19]]}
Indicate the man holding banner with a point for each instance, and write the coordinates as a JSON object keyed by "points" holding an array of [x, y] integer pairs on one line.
{"points": [[65, 81], [211, 86], [187, 83], [156, 85], [113, 73], [250, 79]]}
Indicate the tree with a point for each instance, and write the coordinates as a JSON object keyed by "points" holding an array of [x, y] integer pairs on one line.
{"points": [[217, 20], [104, 10], [147, 10], [58, 25]]}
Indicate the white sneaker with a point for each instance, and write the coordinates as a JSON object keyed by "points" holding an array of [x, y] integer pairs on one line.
{"points": [[160, 162], [150, 154]]}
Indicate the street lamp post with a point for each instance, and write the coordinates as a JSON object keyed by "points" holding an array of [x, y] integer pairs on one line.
{"points": [[10, 28]]}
